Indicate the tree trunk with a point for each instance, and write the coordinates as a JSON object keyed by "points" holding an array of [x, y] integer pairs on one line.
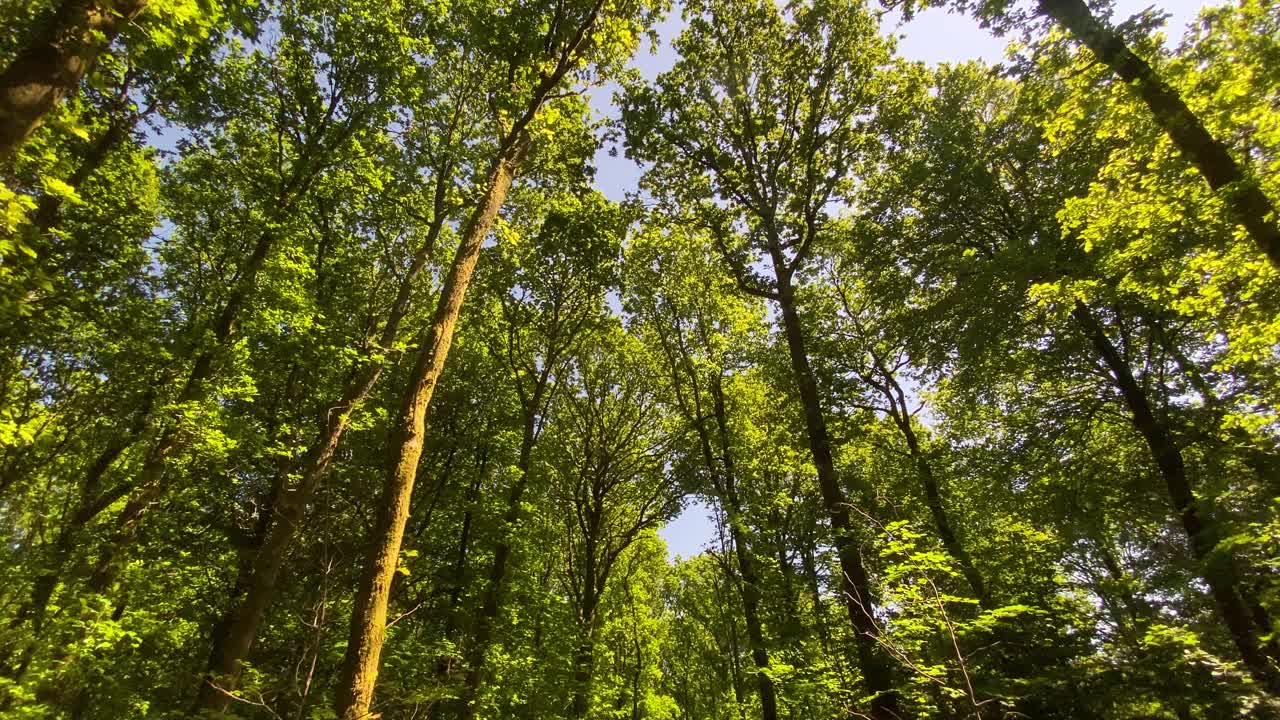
{"points": [[368, 619], [1240, 192], [1217, 568], [750, 585], [31, 272], [487, 616], [45, 585], [47, 210], [583, 676], [233, 642], [933, 498], [855, 586], [232, 646], [149, 485], [51, 67]]}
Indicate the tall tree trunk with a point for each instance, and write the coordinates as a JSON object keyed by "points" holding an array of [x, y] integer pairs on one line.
{"points": [[491, 606], [1217, 567], [32, 272], [354, 695], [584, 659], [583, 676], [36, 608], [47, 210], [1246, 203], [368, 619], [233, 640], [149, 484], [50, 68], [750, 579], [855, 586]]}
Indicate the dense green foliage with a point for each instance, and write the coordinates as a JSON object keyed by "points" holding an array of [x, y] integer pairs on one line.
{"points": [[975, 370]]}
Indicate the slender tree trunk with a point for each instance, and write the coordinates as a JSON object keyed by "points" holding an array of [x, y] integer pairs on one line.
{"points": [[1135, 608], [31, 271], [1263, 461], [855, 586], [584, 659], [1246, 203], [487, 616], [725, 486], [37, 607], [789, 624], [47, 210], [946, 533], [149, 485], [809, 568], [51, 67], [368, 619], [750, 580], [233, 646], [1217, 567], [583, 676], [464, 548], [735, 653]]}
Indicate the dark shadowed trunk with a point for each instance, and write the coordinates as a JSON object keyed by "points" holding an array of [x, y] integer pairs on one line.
{"points": [[855, 586], [1243, 196], [491, 606], [932, 492], [750, 579], [1216, 566]]}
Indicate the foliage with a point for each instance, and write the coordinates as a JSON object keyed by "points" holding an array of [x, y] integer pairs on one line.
{"points": [[1041, 356]]}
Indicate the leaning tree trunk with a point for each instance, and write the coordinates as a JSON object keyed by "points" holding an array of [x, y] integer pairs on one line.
{"points": [[51, 67], [1245, 201], [855, 586], [1217, 566], [233, 639], [149, 485], [941, 519], [354, 695], [368, 618]]}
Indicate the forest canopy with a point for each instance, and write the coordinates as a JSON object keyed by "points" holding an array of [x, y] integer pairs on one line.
{"points": [[333, 386]]}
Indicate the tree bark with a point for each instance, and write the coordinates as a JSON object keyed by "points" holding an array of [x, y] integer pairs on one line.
{"points": [[855, 586], [933, 498], [584, 659], [1244, 198], [368, 619], [51, 67], [149, 485], [491, 606], [723, 468], [1217, 568]]}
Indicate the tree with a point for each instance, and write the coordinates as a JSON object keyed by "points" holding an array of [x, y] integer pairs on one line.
{"points": [[688, 309], [755, 131], [610, 472], [592, 36]]}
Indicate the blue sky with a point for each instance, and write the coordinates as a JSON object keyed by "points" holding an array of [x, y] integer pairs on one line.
{"points": [[933, 36]]}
